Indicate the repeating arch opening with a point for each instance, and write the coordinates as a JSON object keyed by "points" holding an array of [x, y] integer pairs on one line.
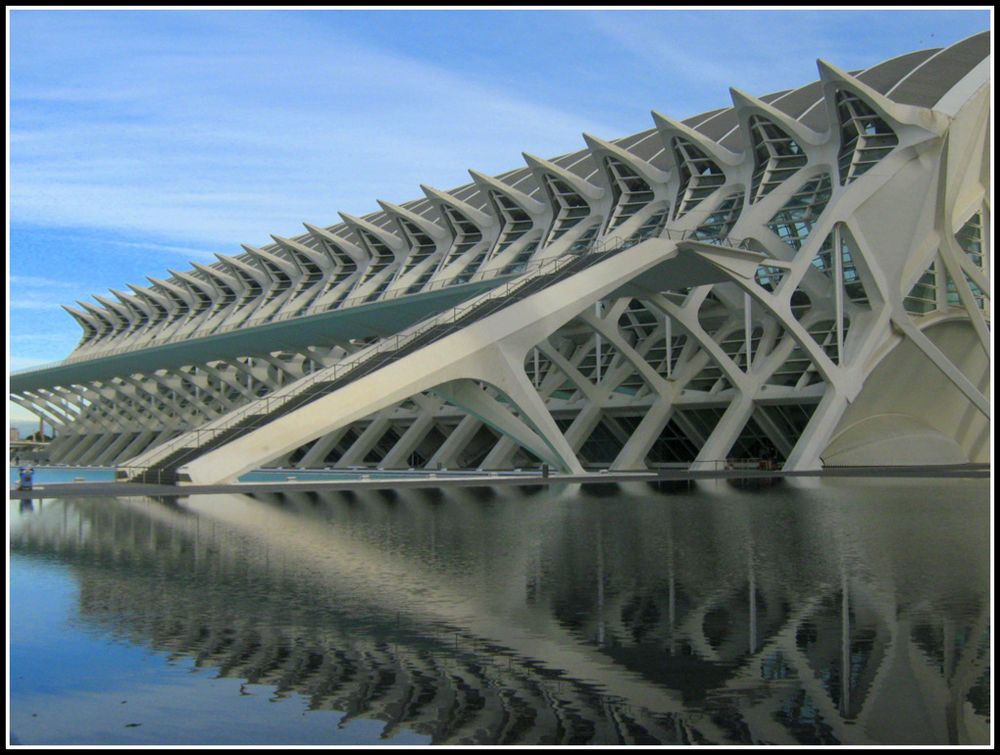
{"points": [[776, 156]]}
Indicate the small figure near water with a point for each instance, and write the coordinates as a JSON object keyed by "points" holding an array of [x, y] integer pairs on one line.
{"points": [[25, 477]]}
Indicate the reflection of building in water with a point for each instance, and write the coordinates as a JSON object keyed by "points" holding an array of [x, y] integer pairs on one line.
{"points": [[473, 617], [817, 626]]}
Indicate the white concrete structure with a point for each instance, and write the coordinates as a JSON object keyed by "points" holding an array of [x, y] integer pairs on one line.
{"points": [[806, 272]]}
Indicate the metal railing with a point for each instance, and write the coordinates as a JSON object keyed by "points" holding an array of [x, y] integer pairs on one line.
{"points": [[265, 405], [693, 235], [735, 464]]}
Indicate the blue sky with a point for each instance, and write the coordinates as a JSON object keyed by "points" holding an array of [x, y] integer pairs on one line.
{"points": [[141, 140]]}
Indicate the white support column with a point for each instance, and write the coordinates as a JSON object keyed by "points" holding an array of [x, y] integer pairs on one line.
{"points": [[637, 446], [938, 358], [59, 446], [502, 454], [838, 291], [129, 405], [583, 425], [114, 452], [668, 335], [633, 454], [162, 437], [949, 260], [285, 460], [816, 436], [77, 454], [448, 452], [319, 450], [772, 431], [366, 441], [399, 455], [97, 448], [721, 441], [136, 446], [469, 396], [510, 378], [178, 415], [615, 428], [597, 346], [568, 367]]}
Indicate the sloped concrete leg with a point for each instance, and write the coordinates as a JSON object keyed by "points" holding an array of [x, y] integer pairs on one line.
{"points": [[471, 398]]}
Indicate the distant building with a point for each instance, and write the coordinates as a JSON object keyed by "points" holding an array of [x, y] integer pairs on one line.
{"points": [[802, 276], [15, 434]]}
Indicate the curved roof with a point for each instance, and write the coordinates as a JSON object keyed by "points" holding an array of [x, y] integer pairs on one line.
{"points": [[928, 82], [916, 78]]}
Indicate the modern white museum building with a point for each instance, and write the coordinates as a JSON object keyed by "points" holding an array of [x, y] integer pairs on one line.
{"points": [[803, 275]]}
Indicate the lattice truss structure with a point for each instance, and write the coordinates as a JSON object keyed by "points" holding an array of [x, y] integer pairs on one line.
{"points": [[860, 333]]}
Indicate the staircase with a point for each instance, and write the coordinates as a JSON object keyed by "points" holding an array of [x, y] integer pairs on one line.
{"points": [[160, 465]]}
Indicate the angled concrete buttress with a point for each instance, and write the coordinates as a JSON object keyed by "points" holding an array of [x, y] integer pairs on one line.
{"points": [[488, 351]]}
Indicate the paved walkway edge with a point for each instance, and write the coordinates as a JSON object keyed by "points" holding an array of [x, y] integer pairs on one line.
{"points": [[751, 476]]}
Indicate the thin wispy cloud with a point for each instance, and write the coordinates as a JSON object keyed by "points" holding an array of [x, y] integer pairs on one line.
{"points": [[35, 280], [230, 142], [35, 292], [32, 302], [52, 338], [700, 54], [185, 251], [683, 55]]}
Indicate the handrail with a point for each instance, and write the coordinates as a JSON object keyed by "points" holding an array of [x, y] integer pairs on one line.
{"points": [[35, 367], [393, 293], [264, 405]]}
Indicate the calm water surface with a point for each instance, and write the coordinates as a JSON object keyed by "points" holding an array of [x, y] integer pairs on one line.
{"points": [[828, 612], [44, 475]]}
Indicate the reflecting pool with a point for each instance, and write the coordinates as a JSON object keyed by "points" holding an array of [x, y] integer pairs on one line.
{"points": [[852, 612], [47, 475]]}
